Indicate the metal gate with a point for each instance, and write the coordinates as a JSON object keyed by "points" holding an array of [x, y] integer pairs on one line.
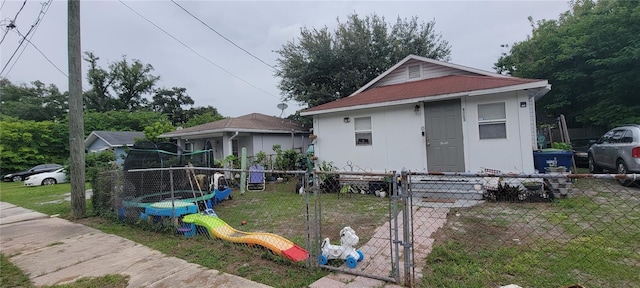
{"points": [[372, 206]]}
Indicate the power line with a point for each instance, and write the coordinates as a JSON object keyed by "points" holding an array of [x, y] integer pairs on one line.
{"points": [[34, 26], [223, 37], [12, 23], [196, 52], [45, 57], [19, 10]]}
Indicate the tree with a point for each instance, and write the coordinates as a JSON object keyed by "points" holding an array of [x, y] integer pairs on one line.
{"points": [[132, 82], [170, 102], [99, 98], [122, 87], [37, 101], [152, 132], [590, 55], [121, 120], [202, 115], [323, 66]]}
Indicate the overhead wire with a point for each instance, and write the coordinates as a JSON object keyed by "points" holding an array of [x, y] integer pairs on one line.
{"points": [[19, 10], [223, 37], [12, 22], [43, 55], [196, 52], [32, 29]]}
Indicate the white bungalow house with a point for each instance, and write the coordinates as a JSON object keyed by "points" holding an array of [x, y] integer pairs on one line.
{"points": [[256, 132], [117, 141], [428, 115]]}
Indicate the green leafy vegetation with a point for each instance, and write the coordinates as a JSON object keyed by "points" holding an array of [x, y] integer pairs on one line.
{"points": [[562, 146], [590, 56], [321, 65]]}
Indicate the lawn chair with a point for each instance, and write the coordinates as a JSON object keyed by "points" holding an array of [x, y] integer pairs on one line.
{"points": [[256, 181]]}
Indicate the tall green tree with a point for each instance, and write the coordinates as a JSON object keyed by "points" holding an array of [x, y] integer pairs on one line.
{"points": [[322, 65], [170, 102], [132, 82], [36, 101], [202, 115], [591, 56], [122, 87], [99, 97]]}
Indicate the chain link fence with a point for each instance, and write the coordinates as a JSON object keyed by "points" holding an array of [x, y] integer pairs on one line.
{"points": [[413, 229], [355, 227], [539, 230]]}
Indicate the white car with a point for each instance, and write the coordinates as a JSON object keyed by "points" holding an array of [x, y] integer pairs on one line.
{"points": [[47, 178]]}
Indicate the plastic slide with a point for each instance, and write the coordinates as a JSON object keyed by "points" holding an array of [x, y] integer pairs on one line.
{"points": [[220, 229]]}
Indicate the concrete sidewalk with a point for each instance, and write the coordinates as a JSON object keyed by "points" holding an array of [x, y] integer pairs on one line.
{"points": [[56, 251]]}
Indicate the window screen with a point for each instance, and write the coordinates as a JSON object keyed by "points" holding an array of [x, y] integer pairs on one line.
{"points": [[363, 131], [492, 121]]}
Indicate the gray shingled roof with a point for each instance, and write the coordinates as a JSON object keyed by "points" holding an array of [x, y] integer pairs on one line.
{"points": [[254, 122], [115, 138]]}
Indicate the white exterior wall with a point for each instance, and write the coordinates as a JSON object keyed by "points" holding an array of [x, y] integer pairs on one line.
{"points": [[265, 142], [397, 141], [513, 154], [254, 143]]}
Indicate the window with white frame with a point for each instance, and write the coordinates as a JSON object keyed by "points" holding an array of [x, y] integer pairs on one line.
{"points": [[363, 131], [188, 146], [492, 121]]}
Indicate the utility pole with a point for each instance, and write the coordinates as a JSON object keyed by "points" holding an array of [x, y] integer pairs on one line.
{"points": [[76, 115]]}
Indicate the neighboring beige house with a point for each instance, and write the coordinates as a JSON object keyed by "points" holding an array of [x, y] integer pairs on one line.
{"points": [[256, 132], [427, 115]]}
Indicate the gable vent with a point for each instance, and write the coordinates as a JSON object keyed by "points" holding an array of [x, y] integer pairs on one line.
{"points": [[414, 71]]}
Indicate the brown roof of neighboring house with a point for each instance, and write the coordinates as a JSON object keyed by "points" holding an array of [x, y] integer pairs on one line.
{"points": [[423, 88], [254, 122]]}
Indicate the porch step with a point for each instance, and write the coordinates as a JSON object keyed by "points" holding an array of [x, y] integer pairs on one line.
{"points": [[446, 188]]}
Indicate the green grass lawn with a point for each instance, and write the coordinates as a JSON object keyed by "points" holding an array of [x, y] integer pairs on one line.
{"points": [[46, 199], [590, 238]]}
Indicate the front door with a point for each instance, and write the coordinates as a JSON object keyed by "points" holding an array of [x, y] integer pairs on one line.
{"points": [[443, 134]]}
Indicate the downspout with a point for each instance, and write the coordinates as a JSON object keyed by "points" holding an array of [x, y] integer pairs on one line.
{"points": [[231, 143]]}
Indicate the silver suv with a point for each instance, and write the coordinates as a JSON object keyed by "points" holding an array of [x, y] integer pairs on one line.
{"points": [[617, 150]]}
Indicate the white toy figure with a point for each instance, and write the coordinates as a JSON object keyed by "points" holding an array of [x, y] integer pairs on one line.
{"points": [[344, 251]]}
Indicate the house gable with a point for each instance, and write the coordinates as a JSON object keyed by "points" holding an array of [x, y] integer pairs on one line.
{"points": [[415, 70], [405, 71], [101, 140], [416, 79]]}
